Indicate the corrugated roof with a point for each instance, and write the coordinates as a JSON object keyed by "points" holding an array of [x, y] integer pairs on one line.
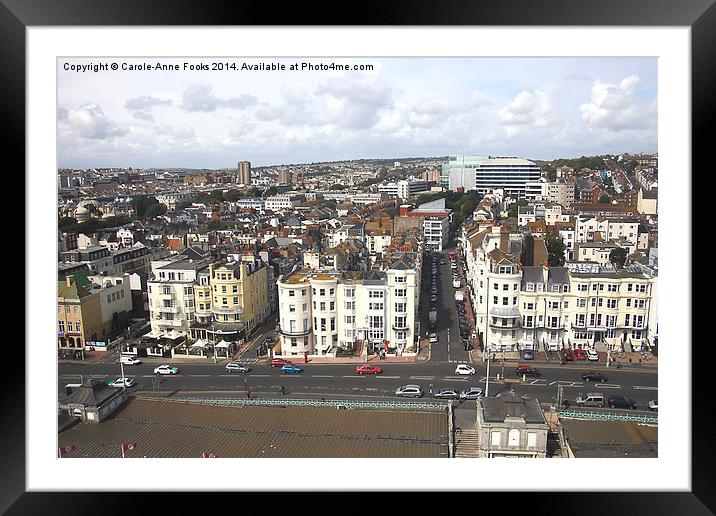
{"points": [[611, 438], [165, 428]]}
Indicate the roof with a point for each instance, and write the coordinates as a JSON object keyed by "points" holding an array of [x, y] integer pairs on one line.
{"points": [[555, 275], [165, 428], [508, 404], [92, 393], [610, 438]]}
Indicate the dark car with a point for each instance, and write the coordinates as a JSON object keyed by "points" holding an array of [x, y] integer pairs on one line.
{"points": [[591, 376], [528, 354], [567, 355], [527, 371], [621, 402]]}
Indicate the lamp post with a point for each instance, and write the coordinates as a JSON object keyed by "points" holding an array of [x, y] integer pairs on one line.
{"points": [[213, 331], [487, 378]]}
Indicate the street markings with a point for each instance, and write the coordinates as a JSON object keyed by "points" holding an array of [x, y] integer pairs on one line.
{"points": [[607, 386], [389, 377], [643, 388], [321, 376], [422, 377]]}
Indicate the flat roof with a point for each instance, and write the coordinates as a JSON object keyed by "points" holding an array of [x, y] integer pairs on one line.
{"points": [[165, 428]]}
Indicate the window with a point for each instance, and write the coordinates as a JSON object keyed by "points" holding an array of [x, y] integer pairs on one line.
{"points": [[565, 305], [333, 305], [513, 437], [62, 326], [332, 291], [496, 286], [582, 287], [495, 439], [400, 292], [323, 305], [626, 319], [611, 303], [291, 293], [401, 307], [494, 300], [375, 306], [291, 308], [581, 303], [613, 288], [322, 292], [529, 306], [505, 286], [400, 279], [375, 294], [505, 301], [333, 323], [350, 292], [303, 292], [350, 305], [531, 439]]}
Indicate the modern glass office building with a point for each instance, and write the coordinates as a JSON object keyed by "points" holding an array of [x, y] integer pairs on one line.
{"points": [[485, 173]]}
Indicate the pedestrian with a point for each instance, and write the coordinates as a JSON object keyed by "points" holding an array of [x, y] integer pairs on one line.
{"points": [[283, 390], [458, 430]]}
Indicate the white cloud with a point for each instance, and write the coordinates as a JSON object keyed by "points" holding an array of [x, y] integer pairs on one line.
{"points": [[615, 108], [529, 109], [141, 106], [199, 97], [89, 121]]}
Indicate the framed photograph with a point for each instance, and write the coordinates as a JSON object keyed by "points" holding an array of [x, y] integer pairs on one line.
{"points": [[125, 108]]}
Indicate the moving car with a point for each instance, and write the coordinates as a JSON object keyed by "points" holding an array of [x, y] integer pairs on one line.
{"points": [[527, 371], [122, 382], [130, 361], [433, 338], [464, 369], [291, 369], [591, 376], [447, 394], [471, 393], [409, 391], [456, 283], [592, 399], [592, 355], [528, 354], [368, 369], [280, 362], [166, 369], [621, 402], [654, 405], [234, 367]]}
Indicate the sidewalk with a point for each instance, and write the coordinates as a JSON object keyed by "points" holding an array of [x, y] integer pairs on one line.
{"points": [[91, 357], [359, 358]]}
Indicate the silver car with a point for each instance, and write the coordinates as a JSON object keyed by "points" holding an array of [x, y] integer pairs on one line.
{"points": [[409, 391], [233, 367], [471, 393]]}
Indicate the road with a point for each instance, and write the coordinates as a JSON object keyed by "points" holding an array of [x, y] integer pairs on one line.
{"points": [[340, 380]]}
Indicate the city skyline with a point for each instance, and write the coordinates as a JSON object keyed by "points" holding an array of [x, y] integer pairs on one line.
{"points": [[538, 108]]}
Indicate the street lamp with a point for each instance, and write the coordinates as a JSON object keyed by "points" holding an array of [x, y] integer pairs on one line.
{"points": [[213, 332]]}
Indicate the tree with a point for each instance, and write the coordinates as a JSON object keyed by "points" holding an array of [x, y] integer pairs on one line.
{"points": [[155, 210], [555, 251], [270, 191], [65, 222], [253, 192], [618, 257], [232, 195], [337, 186], [513, 209], [216, 225], [604, 199]]}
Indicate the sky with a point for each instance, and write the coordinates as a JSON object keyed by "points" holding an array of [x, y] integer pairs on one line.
{"points": [[536, 108]]}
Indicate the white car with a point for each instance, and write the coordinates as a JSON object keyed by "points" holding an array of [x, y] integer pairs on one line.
{"points": [[433, 338], [122, 382], [409, 391], [464, 369], [130, 361], [592, 355], [165, 369], [456, 283]]}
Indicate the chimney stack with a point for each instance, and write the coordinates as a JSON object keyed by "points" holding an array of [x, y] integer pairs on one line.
{"points": [[68, 279]]}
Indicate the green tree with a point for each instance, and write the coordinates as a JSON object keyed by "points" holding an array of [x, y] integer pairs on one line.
{"points": [[65, 222], [337, 186], [253, 192], [155, 210], [512, 211], [555, 251], [270, 191], [604, 199], [232, 195], [618, 257], [216, 225]]}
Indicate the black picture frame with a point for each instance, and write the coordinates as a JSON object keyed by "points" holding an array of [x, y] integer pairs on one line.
{"points": [[699, 15]]}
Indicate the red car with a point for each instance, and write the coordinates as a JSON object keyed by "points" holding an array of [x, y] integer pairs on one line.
{"points": [[280, 362], [567, 355], [368, 369], [580, 354]]}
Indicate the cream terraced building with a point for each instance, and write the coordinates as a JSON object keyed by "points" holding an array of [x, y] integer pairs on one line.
{"points": [[549, 308]]}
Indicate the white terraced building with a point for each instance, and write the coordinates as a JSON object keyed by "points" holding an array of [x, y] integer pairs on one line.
{"points": [[320, 312], [581, 306]]}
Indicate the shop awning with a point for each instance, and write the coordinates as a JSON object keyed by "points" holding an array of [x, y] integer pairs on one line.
{"points": [[199, 344]]}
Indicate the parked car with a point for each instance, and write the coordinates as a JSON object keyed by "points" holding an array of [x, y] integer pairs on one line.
{"points": [[409, 391], [527, 370], [368, 369], [122, 382], [166, 369], [464, 369], [280, 362], [654, 405], [592, 355], [447, 394], [471, 393], [592, 399], [580, 354], [621, 402], [235, 367], [567, 355], [456, 283], [130, 361], [433, 338], [528, 354], [433, 298], [591, 376], [291, 369]]}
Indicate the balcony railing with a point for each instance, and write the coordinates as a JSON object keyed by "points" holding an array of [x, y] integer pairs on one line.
{"points": [[169, 309], [236, 309], [401, 327], [501, 324], [294, 332], [166, 295]]}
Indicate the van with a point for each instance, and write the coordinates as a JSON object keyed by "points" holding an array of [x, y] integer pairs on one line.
{"points": [[592, 399], [129, 360]]}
